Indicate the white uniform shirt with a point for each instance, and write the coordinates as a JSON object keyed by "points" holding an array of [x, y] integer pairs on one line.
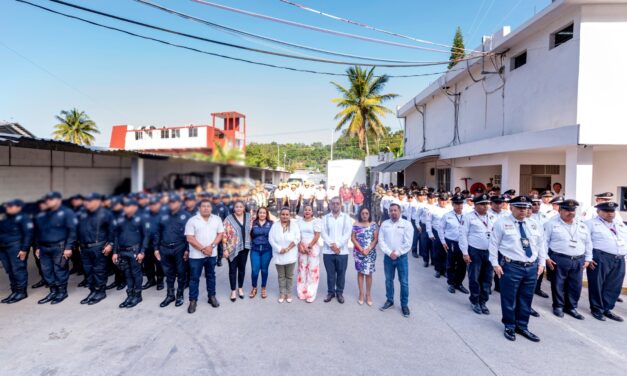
{"points": [[396, 236], [467, 208], [425, 211], [539, 217], [604, 239], [333, 193], [475, 231], [568, 239], [405, 208], [498, 215], [506, 238], [386, 201], [308, 193], [449, 226], [433, 221], [320, 194], [293, 195], [205, 233], [280, 239], [336, 230], [544, 208]]}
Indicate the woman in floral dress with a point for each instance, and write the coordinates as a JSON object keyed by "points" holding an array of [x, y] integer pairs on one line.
{"points": [[308, 255], [365, 237]]}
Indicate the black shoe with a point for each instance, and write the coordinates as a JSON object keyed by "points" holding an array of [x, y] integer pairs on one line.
{"points": [[426, 264], [8, 298], [112, 286], [89, 297], [20, 295], [73, 271], [619, 299], [49, 297], [451, 289], [160, 284], [542, 294], [476, 308], [527, 334], [179, 298], [98, 296], [462, 289], [192, 306], [149, 283], [168, 299], [405, 311], [129, 297], [340, 298], [213, 301], [612, 316], [534, 313], [387, 305], [60, 296], [329, 298], [484, 309], [437, 274], [83, 283], [573, 312], [558, 312], [121, 286], [219, 263], [39, 284], [510, 334], [598, 315], [415, 254], [136, 298]]}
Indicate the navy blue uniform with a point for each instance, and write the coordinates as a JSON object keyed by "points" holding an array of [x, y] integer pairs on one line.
{"points": [[131, 237], [152, 266], [16, 232], [170, 241], [55, 232], [95, 232]]}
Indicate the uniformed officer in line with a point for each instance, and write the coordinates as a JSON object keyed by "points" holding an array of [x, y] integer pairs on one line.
{"points": [[228, 202], [76, 204], [190, 204], [55, 237], [570, 252], [555, 203], [519, 239], [438, 253], [152, 267], [541, 218], [119, 281], [16, 232], [220, 209], [590, 212], [95, 237], [425, 243], [450, 227], [142, 202], [607, 269], [496, 207], [41, 207], [171, 249], [547, 196], [129, 244], [474, 240]]}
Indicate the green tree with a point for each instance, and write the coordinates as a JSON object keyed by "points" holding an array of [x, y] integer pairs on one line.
{"points": [[75, 127], [361, 105], [458, 49], [227, 154]]}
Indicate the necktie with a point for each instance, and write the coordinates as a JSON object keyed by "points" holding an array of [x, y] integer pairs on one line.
{"points": [[524, 239]]}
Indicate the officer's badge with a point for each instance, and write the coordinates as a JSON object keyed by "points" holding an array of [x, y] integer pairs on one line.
{"points": [[2, 216], [18, 218], [182, 217], [533, 226], [164, 217], [60, 213]]}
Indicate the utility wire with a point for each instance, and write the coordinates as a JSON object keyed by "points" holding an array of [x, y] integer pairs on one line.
{"points": [[315, 28], [237, 46], [207, 52], [337, 18], [256, 36]]}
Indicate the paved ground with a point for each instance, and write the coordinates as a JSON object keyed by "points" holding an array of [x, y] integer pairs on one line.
{"points": [[256, 337]]}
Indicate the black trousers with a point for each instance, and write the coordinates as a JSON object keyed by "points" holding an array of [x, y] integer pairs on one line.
{"points": [[480, 275], [95, 267], [425, 243], [566, 280], [455, 265], [237, 269], [414, 243], [152, 266], [132, 270], [605, 281], [173, 265], [335, 265], [438, 254], [517, 287]]}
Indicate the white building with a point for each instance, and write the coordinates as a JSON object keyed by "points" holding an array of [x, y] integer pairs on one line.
{"points": [[548, 106]]}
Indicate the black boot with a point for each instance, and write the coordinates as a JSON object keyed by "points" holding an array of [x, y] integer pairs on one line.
{"points": [[50, 296], [137, 297], [168, 299], [39, 284], [8, 298], [129, 298], [179, 298], [159, 283], [60, 295], [149, 283], [83, 283], [113, 285], [89, 297], [121, 286], [99, 294], [20, 294]]}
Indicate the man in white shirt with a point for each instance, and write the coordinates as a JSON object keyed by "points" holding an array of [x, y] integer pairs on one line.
{"points": [[590, 212], [546, 206], [438, 253], [204, 232], [449, 237], [336, 232], [332, 192], [570, 252], [414, 206], [385, 204], [321, 197], [426, 245], [541, 218], [395, 238]]}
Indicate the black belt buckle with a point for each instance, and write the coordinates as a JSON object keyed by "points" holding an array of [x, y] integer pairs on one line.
{"points": [[521, 263]]}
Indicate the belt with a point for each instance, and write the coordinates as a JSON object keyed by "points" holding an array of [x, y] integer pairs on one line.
{"points": [[609, 254], [521, 263], [131, 248], [567, 256], [171, 245], [50, 245], [11, 244], [92, 245]]}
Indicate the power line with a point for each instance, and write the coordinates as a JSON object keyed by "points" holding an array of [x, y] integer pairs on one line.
{"points": [[360, 24], [207, 52], [256, 36], [315, 28]]}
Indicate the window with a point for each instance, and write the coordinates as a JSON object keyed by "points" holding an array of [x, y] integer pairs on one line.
{"points": [[444, 179], [518, 61], [139, 135], [192, 132], [176, 133], [562, 36], [165, 133]]}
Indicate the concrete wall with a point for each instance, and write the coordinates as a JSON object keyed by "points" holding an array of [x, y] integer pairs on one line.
{"points": [[606, 176], [349, 171]]}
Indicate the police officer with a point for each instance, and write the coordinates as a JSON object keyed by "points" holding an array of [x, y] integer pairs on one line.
{"points": [[606, 272], [152, 267], [119, 281], [426, 245], [474, 240], [55, 238], [76, 204], [519, 239], [541, 218], [130, 241], [142, 202], [190, 204], [450, 226], [219, 209], [41, 207], [570, 252], [95, 236], [16, 231], [438, 253], [171, 249]]}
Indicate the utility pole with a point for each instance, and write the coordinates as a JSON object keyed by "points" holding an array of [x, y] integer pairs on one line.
{"points": [[332, 141]]}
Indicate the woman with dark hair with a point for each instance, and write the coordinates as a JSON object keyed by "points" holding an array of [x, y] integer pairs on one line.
{"points": [[308, 255], [260, 251], [365, 237], [236, 242], [284, 236]]}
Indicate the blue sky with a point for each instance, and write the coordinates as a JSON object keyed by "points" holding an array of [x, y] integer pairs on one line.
{"points": [[50, 63]]}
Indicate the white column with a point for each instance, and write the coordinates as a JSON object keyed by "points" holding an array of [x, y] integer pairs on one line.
{"points": [[263, 176], [216, 176], [137, 175], [510, 174], [578, 184], [247, 173]]}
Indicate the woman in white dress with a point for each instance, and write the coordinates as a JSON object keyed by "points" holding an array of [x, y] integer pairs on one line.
{"points": [[284, 238], [308, 255]]}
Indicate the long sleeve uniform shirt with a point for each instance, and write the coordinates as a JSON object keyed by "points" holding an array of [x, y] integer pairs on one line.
{"points": [[131, 232], [450, 225], [171, 229], [506, 239], [475, 231], [396, 236], [17, 228], [568, 239], [56, 226], [433, 220], [336, 230], [95, 227], [608, 237]]}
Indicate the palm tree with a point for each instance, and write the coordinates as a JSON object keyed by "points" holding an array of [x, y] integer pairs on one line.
{"points": [[227, 154], [75, 127], [361, 105]]}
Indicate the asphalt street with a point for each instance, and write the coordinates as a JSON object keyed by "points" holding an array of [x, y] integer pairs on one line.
{"points": [[262, 337]]}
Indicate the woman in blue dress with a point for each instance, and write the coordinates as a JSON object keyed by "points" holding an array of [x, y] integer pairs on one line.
{"points": [[365, 236]]}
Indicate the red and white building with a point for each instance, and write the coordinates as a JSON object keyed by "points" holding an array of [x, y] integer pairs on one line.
{"points": [[186, 139]]}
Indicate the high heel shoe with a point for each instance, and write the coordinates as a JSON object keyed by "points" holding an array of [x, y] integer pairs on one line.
{"points": [[253, 293], [240, 294], [233, 297]]}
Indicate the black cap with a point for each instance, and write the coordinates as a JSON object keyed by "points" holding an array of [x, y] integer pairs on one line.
{"points": [[497, 199], [443, 196], [557, 200], [536, 198], [154, 200], [547, 194], [77, 197], [510, 192], [481, 199], [521, 201], [93, 196], [190, 196], [14, 202], [130, 202], [51, 195], [570, 205], [606, 195], [458, 199], [607, 206]]}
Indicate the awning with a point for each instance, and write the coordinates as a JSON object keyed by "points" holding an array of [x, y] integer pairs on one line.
{"points": [[381, 167], [402, 163]]}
